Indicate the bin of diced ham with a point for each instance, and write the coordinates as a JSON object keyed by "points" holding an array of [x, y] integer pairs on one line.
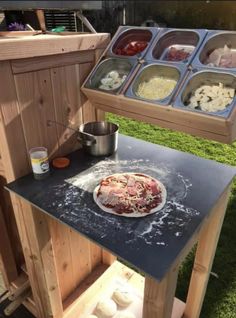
{"points": [[176, 55], [222, 57]]}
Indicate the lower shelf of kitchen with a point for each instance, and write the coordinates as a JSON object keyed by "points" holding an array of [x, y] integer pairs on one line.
{"points": [[101, 282]]}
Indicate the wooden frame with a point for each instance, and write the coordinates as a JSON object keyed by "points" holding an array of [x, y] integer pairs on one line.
{"points": [[206, 126], [158, 297]]}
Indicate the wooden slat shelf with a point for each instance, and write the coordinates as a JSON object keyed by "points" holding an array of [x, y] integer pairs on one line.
{"points": [[96, 287], [194, 123]]}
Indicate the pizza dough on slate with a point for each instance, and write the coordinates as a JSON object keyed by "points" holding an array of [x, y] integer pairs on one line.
{"points": [[125, 314], [122, 297], [106, 308], [108, 199]]}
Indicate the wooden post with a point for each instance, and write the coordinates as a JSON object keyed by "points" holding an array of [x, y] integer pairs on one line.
{"points": [[159, 297], [7, 262], [204, 258]]}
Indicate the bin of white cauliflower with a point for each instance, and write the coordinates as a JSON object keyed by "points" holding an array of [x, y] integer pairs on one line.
{"points": [[211, 98], [112, 81]]}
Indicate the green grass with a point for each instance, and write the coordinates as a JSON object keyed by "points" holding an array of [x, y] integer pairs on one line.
{"points": [[220, 300]]}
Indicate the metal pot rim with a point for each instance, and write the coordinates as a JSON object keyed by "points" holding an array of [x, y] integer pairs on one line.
{"points": [[100, 122]]}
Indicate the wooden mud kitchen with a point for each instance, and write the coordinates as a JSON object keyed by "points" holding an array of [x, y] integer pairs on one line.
{"points": [[70, 254]]}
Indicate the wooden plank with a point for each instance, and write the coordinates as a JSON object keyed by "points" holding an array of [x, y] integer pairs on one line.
{"points": [[6, 34], [28, 303], [64, 267], [47, 44], [159, 297], [89, 280], [53, 61], [163, 113], [29, 258], [2, 170], [166, 124], [232, 124], [89, 113], [7, 264], [80, 256], [204, 258], [95, 254], [107, 257], [100, 115], [10, 127], [42, 254], [138, 282], [10, 224], [67, 103], [34, 91]]}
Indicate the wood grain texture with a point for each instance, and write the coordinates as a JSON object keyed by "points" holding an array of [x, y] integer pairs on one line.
{"points": [[48, 62], [50, 44], [165, 124], [11, 130], [42, 265], [204, 257], [35, 97], [64, 267], [10, 226], [100, 114], [80, 256], [107, 257], [159, 297], [7, 265], [89, 112], [198, 124], [67, 104]]}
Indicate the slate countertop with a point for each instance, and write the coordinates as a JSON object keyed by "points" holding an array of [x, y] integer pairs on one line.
{"points": [[152, 243]]}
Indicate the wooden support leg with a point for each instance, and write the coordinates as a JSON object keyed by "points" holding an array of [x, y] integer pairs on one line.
{"points": [[204, 258], [107, 257], [159, 297], [7, 261], [39, 256]]}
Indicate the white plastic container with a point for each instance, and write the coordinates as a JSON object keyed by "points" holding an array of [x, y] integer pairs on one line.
{"points": [[39, 162]]}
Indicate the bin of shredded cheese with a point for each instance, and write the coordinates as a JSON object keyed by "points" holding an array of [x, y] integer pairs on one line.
{"points": [[157, 87], [156, 83]]}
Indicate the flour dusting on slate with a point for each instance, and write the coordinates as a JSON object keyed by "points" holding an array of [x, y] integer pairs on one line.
{"points": [[77, 194]]}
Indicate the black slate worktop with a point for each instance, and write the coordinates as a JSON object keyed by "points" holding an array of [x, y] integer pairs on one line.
{"points": [[151, 243]]}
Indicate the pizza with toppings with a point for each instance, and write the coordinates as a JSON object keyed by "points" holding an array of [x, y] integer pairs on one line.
{"points": [[130, 194]]}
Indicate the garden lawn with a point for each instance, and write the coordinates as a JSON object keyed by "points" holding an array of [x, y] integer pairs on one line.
{"points": [[220, 300]]}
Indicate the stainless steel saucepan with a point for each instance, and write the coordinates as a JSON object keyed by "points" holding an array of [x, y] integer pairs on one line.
{"points": [[99, 138]]}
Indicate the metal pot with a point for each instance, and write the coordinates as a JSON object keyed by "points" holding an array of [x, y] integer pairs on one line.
{"points": [[99, 138]]}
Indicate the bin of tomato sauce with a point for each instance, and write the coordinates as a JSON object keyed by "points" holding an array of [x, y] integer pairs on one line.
{"points": [[133, 42]]}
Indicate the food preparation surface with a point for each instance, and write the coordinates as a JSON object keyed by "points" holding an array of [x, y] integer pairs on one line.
{"points": [[152, 243]]}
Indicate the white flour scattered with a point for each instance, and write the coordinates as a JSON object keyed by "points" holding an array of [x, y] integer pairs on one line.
{"points": [[77, 192]]}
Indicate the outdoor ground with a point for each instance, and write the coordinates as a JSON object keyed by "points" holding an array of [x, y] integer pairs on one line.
{"points": [[220, 300]]}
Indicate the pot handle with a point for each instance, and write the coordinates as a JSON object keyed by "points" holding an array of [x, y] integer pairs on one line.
{"points": [[87, 142]]}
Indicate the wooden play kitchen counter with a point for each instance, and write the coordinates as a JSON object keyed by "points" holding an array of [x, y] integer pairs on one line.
{"points": [[198, 191], [40, 79]]}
